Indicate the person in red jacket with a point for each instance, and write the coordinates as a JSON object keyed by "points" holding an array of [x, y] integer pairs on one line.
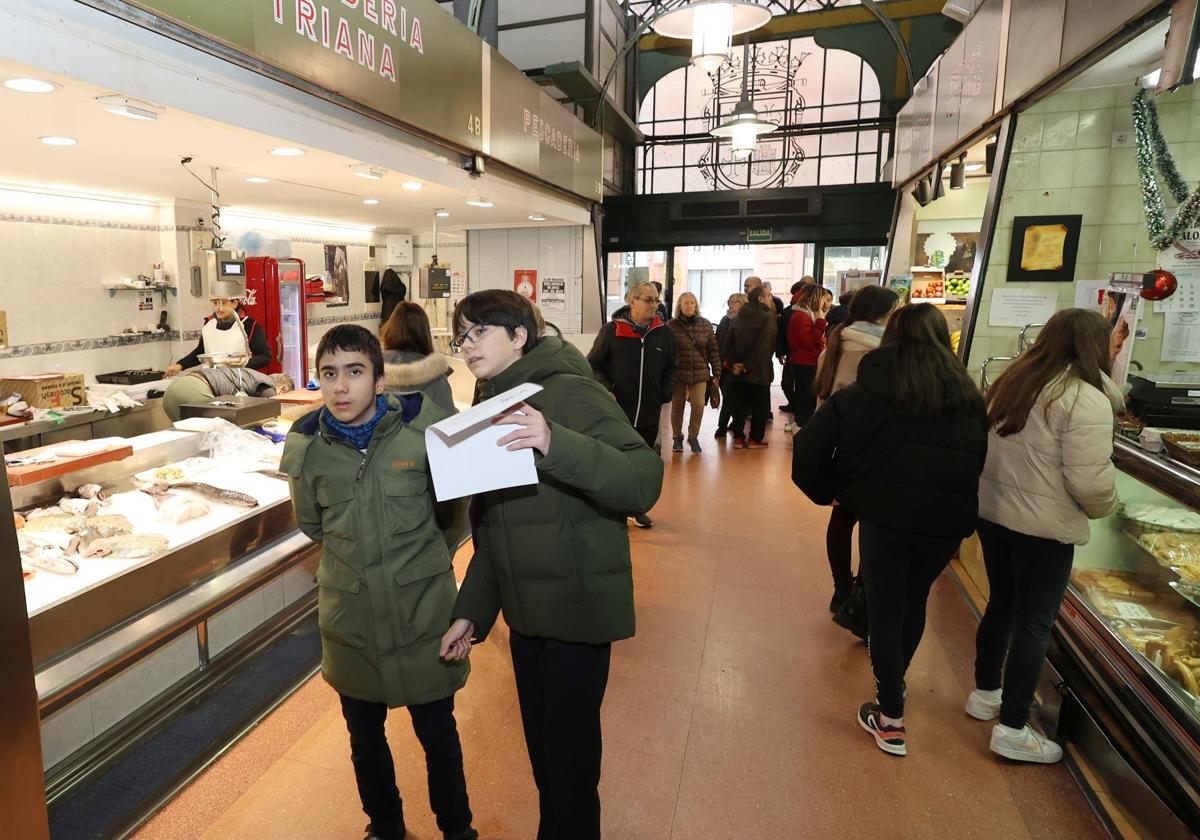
{"points": [[806, 340]]}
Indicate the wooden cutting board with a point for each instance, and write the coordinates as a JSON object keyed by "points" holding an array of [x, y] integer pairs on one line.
{"points": [[33, 473], [301, 396]]}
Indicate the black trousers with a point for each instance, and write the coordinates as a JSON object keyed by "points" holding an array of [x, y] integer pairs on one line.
{"points": [[788, 386], [726, 411], [753, 401], [804, 401], [839, 544], [376, 773], [898, 571], [560, 687], [649, 432], [1028, 578]]}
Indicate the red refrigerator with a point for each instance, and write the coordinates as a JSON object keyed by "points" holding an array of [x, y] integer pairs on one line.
{"points": [[275, 298]]}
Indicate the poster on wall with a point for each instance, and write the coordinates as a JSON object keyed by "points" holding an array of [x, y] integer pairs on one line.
{"points": [[953, 251], [1121, 310], [1018, 307], [1181, 337], [337, 276], [552, 295], [1044, 249], [525, 283]]}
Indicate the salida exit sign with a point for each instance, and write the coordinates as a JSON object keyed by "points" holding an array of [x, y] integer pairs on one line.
{"points": [[759, 234]]}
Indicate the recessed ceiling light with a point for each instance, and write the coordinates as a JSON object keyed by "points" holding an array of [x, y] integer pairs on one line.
{"points": [[974, 167], [479, 201], [30, 85], [287, 151], [133, 109], [59, 141], [258, 180], [412, 186], [371, 173], [536, 217], [370, 201], [441, 214]]}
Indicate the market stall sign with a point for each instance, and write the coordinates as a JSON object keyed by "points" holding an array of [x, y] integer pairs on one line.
{"points": [[414, 62], [760, 235], [531, 131]]}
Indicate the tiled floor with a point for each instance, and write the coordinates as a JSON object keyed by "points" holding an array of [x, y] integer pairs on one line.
{"points": [[730, 715]]}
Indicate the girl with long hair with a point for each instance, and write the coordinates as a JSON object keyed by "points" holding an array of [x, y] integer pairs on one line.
{"points": [[410, 363], [861, 332], [910, 435], [806, 340], [1048, 472]]}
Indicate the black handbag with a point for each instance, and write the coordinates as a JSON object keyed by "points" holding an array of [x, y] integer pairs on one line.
{"points": [[853, 613]]}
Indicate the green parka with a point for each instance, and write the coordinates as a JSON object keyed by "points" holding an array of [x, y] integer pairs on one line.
{"points": [[385, 582], [555, 556]]}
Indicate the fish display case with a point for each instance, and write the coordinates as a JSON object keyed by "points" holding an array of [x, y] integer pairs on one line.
{"points": [[147, 580], [1126, 646]]}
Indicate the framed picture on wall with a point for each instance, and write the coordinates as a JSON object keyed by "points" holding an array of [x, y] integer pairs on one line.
{"points": [[1044, 249]]}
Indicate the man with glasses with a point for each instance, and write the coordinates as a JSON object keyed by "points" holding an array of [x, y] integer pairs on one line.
{"points": [[634, 357]]}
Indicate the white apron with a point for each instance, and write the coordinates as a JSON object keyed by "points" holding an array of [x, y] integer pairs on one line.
{"points": [[232, 340]]}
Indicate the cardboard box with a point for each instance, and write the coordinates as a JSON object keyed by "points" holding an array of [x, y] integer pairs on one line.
{"points": [[47, 390]]}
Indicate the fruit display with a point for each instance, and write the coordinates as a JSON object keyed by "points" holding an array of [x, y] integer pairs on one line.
{"points": [[928, 290], [957, 287]]}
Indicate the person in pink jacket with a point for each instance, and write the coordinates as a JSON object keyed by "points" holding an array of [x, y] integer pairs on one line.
{"points": [[1048, 471], [806, 340]]}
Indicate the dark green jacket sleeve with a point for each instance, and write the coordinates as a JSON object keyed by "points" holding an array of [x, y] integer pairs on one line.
{"points": [[479, 596], [304, 495], [812, 454], [596, 451]]}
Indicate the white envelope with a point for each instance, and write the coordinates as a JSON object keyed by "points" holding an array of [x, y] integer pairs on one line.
{"points": [[464, 457]]}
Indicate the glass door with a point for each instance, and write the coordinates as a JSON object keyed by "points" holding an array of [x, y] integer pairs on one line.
{"points": [[291, 304], [628, 267], [840, 262]]}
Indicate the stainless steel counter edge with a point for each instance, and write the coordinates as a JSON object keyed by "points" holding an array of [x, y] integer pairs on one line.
{"points": [[1179, 481]]}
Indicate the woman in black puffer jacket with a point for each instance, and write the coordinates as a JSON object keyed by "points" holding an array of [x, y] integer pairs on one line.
{"points": [[903, 448]]}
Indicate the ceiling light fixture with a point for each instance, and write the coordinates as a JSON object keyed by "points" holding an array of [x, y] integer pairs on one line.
{"points": [[536, 217], [257, 180], [441, 213], [711, 25], [744, 127], [412, 186], [287, 151], [371, 201], [479, 201], [30, 85], [958, 174], [133, 109], [371, 173], [58, 141]]}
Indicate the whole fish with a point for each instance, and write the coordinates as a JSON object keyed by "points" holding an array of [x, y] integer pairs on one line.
{"points": [[127, 546], [65, 541], [61, 522], [91, 491], [273, 474], [50, 559], [217, 494]]}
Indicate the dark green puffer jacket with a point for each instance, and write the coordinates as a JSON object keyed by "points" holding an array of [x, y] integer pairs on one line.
{"points": [[555, 556]]}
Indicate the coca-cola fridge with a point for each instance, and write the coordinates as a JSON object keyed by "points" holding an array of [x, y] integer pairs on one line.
{"points": [[275, 298]]}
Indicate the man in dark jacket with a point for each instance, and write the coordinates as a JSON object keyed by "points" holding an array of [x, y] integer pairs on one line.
{"points": [[634, 357], [750, 346]]}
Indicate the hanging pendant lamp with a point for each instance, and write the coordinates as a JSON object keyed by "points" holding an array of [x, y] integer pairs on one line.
{"points": [[711, 25], [744, 126]]}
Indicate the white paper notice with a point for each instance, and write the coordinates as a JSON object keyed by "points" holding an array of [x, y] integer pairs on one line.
{"points": [[464, 457], [1087, 294], [1013, 307], [1181, 337]]}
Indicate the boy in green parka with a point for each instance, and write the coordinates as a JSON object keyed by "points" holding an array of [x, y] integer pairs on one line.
{"points": [[360, 486]]}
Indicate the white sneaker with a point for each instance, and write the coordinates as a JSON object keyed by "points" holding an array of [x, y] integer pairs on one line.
{"points": [[1024, 745], [984, 705]]}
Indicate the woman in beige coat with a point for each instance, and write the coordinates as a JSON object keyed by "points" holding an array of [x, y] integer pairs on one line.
{"points": [[858, 335], [1048, 471], [699, 366]]}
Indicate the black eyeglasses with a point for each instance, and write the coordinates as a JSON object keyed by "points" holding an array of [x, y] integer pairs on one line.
{"points": [[471, 336]]}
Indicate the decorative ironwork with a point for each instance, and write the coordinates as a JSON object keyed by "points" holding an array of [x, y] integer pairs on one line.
{"points": [[774, 73], [779, 7]]}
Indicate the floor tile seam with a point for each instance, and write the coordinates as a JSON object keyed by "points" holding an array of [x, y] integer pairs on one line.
{"points": [[490, 745]]}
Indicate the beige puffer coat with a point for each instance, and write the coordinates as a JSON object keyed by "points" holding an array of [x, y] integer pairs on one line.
{"points": [[1054, 475], [857, 341]]}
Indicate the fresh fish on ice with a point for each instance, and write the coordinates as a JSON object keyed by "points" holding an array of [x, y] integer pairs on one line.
{"points": [[175, 510], [127, 546], [62, 540], [38, 513], [91, 491], [110, 525], [47, 558], [60, 522], [216, 494], [82, 507], [282, 476]]}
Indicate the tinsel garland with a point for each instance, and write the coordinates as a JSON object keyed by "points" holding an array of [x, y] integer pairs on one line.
{"points": [[1154, 159]]}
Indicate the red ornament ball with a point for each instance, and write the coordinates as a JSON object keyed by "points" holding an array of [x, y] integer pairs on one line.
{"points": [[1158, 284]]}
